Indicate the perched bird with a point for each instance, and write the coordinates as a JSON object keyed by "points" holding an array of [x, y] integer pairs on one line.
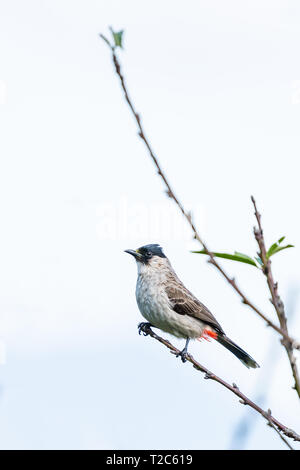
{"points": [[168, 305]]}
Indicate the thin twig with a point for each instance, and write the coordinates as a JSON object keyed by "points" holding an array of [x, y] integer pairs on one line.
{"points": [[278, 432], [244, 400], [275, 298], [187, 214]]}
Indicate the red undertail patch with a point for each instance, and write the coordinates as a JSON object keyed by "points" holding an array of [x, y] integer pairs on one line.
{"points": [[207, 335]]}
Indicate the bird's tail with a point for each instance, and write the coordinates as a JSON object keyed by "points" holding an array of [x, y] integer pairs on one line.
{"points": [[247, 360]]}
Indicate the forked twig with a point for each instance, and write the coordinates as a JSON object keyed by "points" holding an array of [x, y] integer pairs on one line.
{"points": [[275, 298], [244, 400]]}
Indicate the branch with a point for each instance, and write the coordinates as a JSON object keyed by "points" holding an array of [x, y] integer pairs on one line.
{"points": [[184, 212], [275, 298], [278, 432], [273, 422]]}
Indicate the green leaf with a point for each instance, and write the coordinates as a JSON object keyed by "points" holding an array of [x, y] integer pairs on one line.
{"points": [[118, 36], [275, 248], [272, 249], [259, 260], [280, 248], [241, 257]]}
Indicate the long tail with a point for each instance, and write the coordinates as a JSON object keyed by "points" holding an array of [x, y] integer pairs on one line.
{"points": [[247, 360]]}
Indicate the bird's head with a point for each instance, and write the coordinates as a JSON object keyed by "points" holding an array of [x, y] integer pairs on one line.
{"points": [[148, 254]]}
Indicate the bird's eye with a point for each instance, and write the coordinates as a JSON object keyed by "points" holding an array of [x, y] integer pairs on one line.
{"points": [[149, 254]]}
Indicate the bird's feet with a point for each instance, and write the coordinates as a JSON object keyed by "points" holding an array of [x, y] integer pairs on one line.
{"points": [[183, 355], [144, 328]]}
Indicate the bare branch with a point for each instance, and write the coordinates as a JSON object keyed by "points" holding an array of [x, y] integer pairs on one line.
{"points": [[275, 298], [244, 400], [278, 432], [186, 214]]}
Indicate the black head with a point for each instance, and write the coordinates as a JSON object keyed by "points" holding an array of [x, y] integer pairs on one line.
{"points": [[146, 252]]}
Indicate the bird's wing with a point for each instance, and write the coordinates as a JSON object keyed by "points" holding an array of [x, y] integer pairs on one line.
{"points": [[185, 303]]}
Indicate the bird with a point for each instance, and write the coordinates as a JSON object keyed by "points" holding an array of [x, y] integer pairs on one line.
{"points": [[167, 304]]}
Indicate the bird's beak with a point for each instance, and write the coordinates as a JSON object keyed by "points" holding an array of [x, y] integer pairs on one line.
{"points": [[134, 253]]}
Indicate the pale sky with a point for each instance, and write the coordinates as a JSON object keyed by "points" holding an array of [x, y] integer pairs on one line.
{"points": [[218, 86]]}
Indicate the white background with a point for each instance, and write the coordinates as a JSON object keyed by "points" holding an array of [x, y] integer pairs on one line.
{"points": [[218, 87]]}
